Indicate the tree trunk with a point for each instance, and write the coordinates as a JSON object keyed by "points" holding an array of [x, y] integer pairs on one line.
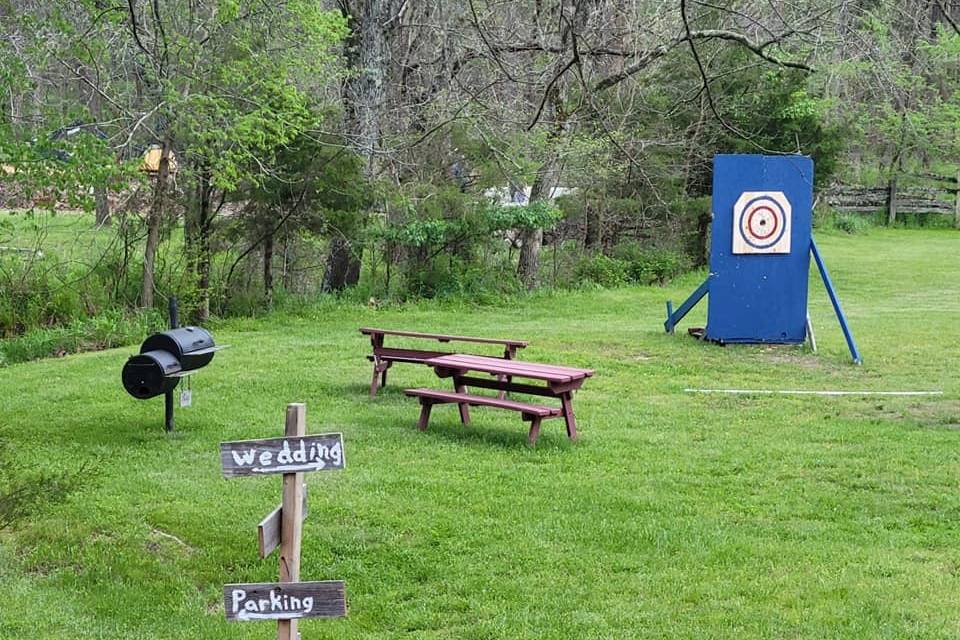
{"points": [[154, 218], [268, 268], [101, 203], [372, 23], [343, 266], [593, 236], [956, 204], [102, 206], [204, 226], [548, 175], [892, 201], [289, 260], [555, 116], [368, 55], [531, 240], [149, 258], [528, 267], [702, 255]]}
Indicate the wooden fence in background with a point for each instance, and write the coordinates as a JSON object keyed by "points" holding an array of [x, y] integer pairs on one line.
{"points": [[942, 196]]}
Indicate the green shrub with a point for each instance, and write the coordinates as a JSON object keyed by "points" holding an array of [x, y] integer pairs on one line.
{"points": [[37, 292], [536, 215], [25, 492], [106, 330], [851, 223], [601, 270], [453, 278], [49, 290], [694, 216], [927, 220], [646, 265]]}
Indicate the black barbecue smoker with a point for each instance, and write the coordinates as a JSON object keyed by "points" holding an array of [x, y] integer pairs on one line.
{"points": [[164, 359]]}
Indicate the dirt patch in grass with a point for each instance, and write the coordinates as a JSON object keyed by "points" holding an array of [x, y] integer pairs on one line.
{"points": [[160, 540], [944, 414], [792, 354], [929, 414]]}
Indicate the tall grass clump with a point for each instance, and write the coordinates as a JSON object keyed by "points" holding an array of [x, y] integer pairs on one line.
{"points": [[111, 328]]}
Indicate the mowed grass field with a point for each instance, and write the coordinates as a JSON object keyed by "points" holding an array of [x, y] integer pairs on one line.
{"points": [[676, 515]]}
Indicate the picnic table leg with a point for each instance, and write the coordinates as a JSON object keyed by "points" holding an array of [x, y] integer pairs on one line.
{"points": [[502, 378], [425, 407], [464, 407], [376, 341], [566, 401], [376, 377], [534, 430], [508, 354], [383, 376]]}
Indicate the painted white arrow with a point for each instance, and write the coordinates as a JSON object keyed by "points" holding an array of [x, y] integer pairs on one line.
{"points": [[245, 615], [320, 464]]}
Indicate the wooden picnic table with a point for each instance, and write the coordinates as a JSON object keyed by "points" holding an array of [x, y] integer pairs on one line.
{"points": [[384, 357], [561, 383]]}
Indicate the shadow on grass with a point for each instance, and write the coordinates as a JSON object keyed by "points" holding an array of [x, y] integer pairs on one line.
{"points": [[363, 390], [448, 427], [477, 432]]}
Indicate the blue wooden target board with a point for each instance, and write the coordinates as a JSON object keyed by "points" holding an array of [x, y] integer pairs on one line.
{"points": [[760, 253]]}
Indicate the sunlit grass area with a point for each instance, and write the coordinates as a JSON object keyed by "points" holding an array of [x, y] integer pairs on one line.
{"points": [[676, 515]]}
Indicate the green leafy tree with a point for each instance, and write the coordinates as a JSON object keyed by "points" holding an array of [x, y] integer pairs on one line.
{"points": [[317, 186], [222, 87]]}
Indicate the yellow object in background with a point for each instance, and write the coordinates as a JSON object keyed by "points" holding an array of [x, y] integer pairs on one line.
{"points": [[151, 160]]}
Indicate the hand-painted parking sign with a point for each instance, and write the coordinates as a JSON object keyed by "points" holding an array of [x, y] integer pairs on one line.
{"points": [[761, 222]]}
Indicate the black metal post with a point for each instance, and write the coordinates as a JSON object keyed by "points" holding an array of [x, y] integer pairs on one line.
{"points": [[174, 313], [168, 410], [168, 396]]}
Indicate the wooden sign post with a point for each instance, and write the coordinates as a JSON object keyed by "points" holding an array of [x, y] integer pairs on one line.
{"points": [[289, 599]]}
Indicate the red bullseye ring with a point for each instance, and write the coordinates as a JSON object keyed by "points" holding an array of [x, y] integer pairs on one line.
{"points": [[764, 226]]}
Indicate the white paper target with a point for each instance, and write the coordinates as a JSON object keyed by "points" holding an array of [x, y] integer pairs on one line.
{"points": [[761, 222]]}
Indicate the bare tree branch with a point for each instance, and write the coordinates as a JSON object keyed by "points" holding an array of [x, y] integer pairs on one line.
{"points": [[651, 55]]}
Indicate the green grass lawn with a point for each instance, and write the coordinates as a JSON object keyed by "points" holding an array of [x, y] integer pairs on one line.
{"points": [[71, 234], [674, 516]]}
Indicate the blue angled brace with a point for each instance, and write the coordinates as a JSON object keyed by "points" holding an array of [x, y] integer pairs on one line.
{"points": [[673, 317], [851, 344]]}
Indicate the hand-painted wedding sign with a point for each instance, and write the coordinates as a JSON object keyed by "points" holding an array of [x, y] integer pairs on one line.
{"points": [[282, 455], [289, 599]]}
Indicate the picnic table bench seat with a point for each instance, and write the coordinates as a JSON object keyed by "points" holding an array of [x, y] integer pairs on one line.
{"points": [[532, 413], [560, 384], [413, 356], [384, 357]]}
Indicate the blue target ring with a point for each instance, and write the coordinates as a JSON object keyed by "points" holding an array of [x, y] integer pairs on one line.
{"points": [[757, 209]]}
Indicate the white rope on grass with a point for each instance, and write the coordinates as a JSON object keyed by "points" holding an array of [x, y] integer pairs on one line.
{"points": [[798, 392]]}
